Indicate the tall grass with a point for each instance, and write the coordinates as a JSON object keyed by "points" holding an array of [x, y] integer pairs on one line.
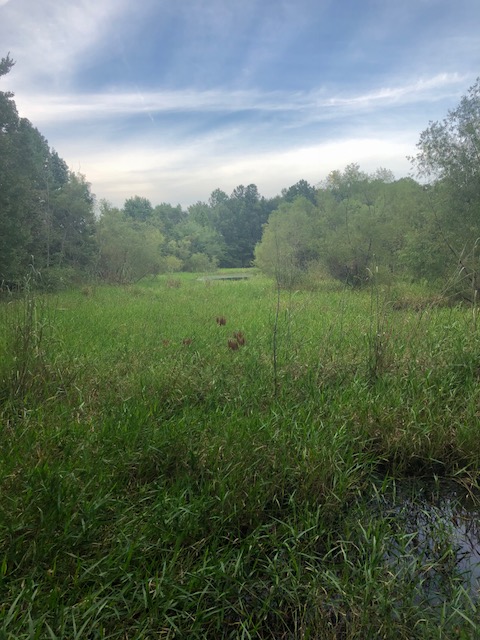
{"points": [[154, 486]]}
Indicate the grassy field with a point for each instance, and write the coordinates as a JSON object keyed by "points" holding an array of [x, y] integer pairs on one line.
{"points": [[160, 479]]}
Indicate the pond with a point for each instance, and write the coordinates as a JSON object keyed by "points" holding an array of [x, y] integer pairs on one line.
{"points": [[435, 527], [236, 276]]}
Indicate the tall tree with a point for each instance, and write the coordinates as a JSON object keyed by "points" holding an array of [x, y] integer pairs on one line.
{"points": [[168, 217], [128, 249], [72, 242], [46, 212], [449, 156], [290, 242], [22, 155], [138, 208], [300, 189], [12, 237], [359, 222], [240, 219]]}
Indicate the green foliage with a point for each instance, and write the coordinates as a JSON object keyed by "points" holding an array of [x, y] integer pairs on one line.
{"points": [[168, 217], [450, 149], [46, 212], [289, 243], [302, 189], [200, 263], [366, 223], [6, 65], [356, 223], [140, 209], [200, 239], [23, 153], [27, 370], [448, 154], [70, 236], [239, 220], [170, 264], [128, 249], [153, 487], [351, 225]]}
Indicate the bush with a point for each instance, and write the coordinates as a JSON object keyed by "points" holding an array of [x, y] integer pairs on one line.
{"points": [[199, 263]]}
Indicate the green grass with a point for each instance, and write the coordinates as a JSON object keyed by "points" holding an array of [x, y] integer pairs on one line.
{"points": [[156, 483]]}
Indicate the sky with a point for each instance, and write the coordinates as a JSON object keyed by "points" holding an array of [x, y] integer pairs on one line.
{"points": [[172, 99]]}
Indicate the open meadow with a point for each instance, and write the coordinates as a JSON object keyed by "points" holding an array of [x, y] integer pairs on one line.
{"points": [[219, 459]]}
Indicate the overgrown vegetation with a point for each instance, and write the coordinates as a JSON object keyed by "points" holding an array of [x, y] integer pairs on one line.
{"points": [[157, 483]]}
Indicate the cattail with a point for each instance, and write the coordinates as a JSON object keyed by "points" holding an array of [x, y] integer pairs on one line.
{"points": [[187, 341], [239, 337], [221, 320], [233, 345]]}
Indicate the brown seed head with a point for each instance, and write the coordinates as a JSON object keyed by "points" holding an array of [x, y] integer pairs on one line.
{"points": [[239, 337], [233, 345]]}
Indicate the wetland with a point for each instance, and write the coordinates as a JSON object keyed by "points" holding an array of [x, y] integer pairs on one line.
{"points": [[319, 481]]}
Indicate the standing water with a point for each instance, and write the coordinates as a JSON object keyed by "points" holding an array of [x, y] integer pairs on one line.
{"points": [[436, 535]]}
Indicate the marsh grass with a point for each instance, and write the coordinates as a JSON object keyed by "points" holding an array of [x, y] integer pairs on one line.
{"points": [[154, 486]]}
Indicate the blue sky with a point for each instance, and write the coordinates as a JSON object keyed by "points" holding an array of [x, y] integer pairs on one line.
{"points": [[171, 99]]}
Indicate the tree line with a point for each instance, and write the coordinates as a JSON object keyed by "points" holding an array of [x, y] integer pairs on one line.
{"points": [[347, 227], [46, 210]]}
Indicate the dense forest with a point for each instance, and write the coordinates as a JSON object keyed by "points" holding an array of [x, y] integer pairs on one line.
{"points": [[348, 226]]}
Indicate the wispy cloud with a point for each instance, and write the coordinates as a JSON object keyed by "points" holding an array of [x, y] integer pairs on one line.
{"points": [[187, 174], [44, 108], [171, 100], [420, 90], [50, 39]]}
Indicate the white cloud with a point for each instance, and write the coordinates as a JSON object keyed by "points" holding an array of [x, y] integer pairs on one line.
{"points": [[46, 108], [184, 168], [288, 135], [48, 39], [416, 91], [190, 172]]}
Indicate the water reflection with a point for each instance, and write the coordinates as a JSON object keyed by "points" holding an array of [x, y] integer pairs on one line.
{"points": [[436, 534]]}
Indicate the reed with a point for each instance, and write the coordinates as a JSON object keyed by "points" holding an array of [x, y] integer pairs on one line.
{"points": [[157, 489]]}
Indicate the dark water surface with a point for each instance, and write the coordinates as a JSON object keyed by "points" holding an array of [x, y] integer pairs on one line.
{"points": [[238, 276], [436, 534]]}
